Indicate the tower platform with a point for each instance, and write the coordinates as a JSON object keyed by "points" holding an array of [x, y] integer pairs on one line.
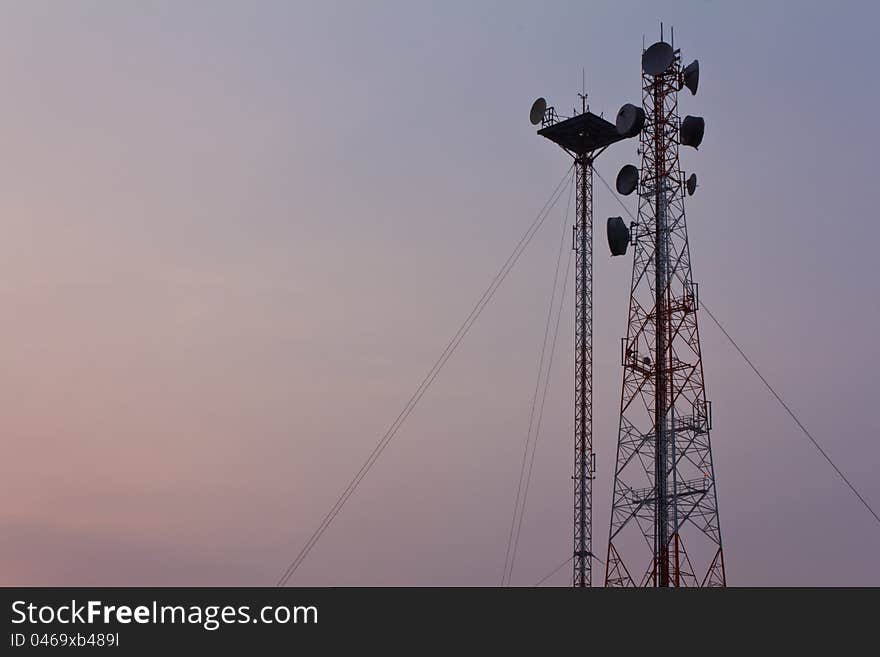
{"points": [[581, 134]]}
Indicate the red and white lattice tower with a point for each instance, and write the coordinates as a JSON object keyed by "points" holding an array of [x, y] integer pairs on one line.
{"points": [[664, 529]]}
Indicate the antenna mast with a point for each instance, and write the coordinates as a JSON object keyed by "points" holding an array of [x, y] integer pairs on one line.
{"points": [[584, 137], [664, 495]]}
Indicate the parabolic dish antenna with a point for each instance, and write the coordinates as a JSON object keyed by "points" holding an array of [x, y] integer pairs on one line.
{"points": [[627, 179], [691, 76], [692, 129], [630, 120], [537, 111], [657, 58], [691, 184], [618, 236]]}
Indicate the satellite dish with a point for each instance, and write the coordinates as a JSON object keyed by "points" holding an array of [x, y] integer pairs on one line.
{"points": [[627, 179], [630, 120], [691, 76], [691, 184], [618, 236], [657, 58], [537, 111], [692, 129]]}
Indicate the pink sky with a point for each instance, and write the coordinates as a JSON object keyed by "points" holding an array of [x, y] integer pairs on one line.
{"points": [[235, 239]]}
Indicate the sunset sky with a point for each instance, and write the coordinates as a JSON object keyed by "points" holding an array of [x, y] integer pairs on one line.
{"points": [[237, 235]]}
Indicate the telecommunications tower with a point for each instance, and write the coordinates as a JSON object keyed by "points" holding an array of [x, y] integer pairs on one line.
{"points": [[664, 518], [583, 137]]}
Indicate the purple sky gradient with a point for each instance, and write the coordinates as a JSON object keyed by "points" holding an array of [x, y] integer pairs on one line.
{"points": [[236, 236]]}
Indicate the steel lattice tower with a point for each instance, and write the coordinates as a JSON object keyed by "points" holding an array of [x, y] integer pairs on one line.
{"points": [[584, 137], [664, 529], [583, 380]]}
